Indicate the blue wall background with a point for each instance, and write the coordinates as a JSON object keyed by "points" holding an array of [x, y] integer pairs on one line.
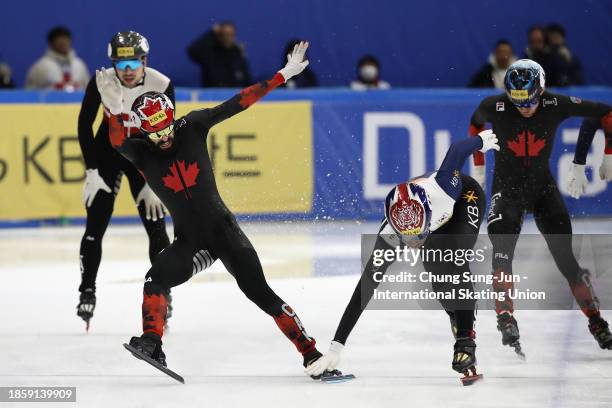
{"points": [[438, 43], [339, 132]]}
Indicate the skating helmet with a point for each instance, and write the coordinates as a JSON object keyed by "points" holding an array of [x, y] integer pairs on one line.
{"points": [[153, 113], [127, 45], [408, 211], [524, 83]]}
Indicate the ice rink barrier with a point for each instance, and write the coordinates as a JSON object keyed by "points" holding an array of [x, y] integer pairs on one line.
{"points": [[353, 147]]}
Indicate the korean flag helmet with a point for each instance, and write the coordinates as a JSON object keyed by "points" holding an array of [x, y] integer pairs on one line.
{"points": [[524, 83], [408, 211]]}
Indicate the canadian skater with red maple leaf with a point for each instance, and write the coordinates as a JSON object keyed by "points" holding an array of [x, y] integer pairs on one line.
{"points": [[173, 157], [526, 118]]}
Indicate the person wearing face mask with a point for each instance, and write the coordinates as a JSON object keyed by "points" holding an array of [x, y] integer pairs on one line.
{"points": [[526, 118], [105, 167], [368, 75]]}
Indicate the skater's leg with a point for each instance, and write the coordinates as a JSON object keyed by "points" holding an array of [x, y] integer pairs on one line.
{"points": [[553, 221], [244, 265], [460, 233], [90, 253], [98, 217], [172, 267], [156, 229], [505, 221]]}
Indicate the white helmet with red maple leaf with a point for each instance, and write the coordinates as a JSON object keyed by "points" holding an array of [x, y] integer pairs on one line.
{"points": [[153, 112]]}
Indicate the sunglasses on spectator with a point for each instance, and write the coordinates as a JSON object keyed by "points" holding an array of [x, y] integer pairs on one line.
{"points": [[132, 64], [155, 136]]}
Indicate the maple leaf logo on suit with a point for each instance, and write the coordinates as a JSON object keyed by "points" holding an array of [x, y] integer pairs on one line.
{"points": [[177, 176], [526, 147]]}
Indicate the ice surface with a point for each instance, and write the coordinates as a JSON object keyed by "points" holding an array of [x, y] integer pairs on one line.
{"points": [[232, 355]]}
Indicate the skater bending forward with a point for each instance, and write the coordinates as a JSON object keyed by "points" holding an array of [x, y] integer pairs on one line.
{"points": [[442, 210], [173, 157]]}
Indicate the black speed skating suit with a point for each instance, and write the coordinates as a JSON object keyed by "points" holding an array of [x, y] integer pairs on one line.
{"points": [[204, 227], [523, 183], [460, 232]]}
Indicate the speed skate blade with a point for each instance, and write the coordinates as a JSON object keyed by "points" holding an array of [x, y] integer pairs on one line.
{"points": [[336, 378], [154, 363], [519, 350], [471, 379]]}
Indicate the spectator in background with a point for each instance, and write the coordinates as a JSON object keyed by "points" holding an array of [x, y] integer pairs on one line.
{"points": [[220, 58], [307, 79], [536, 46], [59, 68], [563, 68], [6, 77], [491, 75], [368, 75]]}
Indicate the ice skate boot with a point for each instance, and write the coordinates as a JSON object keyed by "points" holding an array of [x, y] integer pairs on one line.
{"points": [[508, 327], [600, 330], [464, 360], [151, 346], [148, 348], [86, 306]]}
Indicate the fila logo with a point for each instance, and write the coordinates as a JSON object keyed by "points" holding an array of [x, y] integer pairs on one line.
{"points": [[500, 106], [148, 279]]}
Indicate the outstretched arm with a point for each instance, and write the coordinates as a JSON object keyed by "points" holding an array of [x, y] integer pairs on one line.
{"points": [[456, 156], [361, 297], [248, 96]]}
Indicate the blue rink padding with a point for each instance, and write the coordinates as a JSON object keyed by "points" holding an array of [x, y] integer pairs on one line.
{"points": [[339, 120]]}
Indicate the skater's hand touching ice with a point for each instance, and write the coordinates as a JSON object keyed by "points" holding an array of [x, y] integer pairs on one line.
{"points": [[328, 361], [489, 140], [577, 180], [154, 208], [295, 61], [110, 90], [93, 183]]}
